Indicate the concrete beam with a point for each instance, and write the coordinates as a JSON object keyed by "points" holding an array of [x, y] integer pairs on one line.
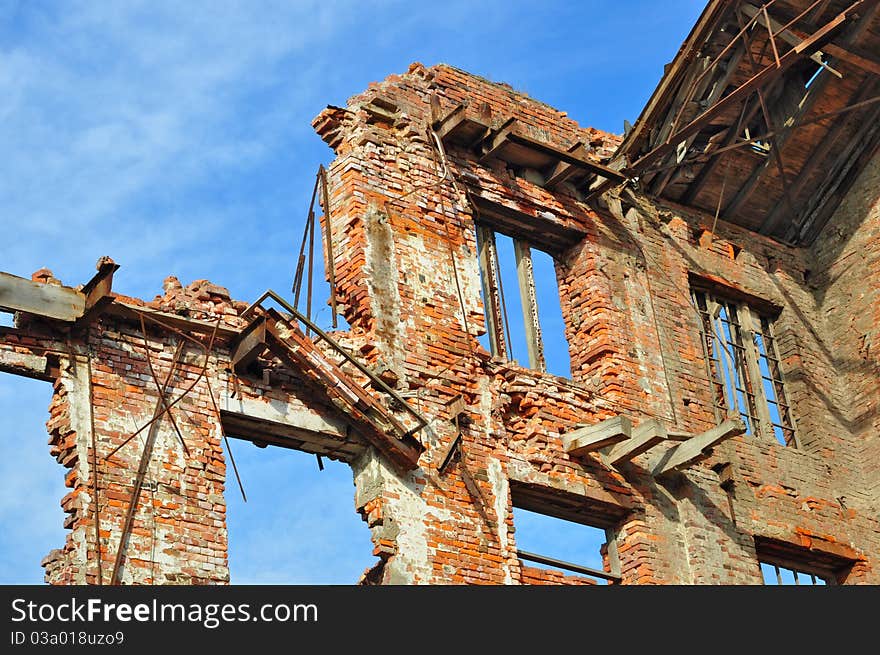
{"points": [[24, 364]]}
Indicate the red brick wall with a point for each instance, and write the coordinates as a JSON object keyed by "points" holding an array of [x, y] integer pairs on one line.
{"points": [[408, 285]]}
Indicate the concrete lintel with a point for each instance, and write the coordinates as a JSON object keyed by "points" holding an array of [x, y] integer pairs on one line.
{"points": [[24, 364]]}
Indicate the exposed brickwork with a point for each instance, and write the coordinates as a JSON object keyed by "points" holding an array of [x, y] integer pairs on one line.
{"points": [[402, 223]]}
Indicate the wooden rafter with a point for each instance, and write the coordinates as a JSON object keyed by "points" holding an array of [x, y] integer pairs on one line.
{"points": [[758, 80]]}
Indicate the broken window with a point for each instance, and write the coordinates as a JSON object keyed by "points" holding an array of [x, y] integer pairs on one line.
{"points": [[525, 326], [547, 542], [774, 574], [565, 532], [743, 366], [786, 563]]}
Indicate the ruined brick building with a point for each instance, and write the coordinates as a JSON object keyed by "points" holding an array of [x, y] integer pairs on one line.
{"points": [[718, 270]]}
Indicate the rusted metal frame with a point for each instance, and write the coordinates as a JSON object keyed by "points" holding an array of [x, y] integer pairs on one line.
{"points": [[311, 264], [301, 259], [760, 79], [377, 424], [94, 463], [529, 302], [768, 334], [707, 340], [568, 566], [865, 141], [490, 279], [142, 470], [159, 387], [331, 264], [225, 438], [305, 350], [374, 379], [171, 404]]}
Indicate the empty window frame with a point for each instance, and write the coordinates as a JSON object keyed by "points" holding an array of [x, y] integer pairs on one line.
{"points": [[539, 337], [774, 574], [743, 366], [545, 541]]}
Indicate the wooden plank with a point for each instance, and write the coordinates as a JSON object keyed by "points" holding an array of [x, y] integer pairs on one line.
{"points": [[563, 170], [694, 448], [786, 35], [18, 294], [594, 437], [546, 234], [757, 81], [493, 144], [670, 83], [529, 303], [491, 291], [567, 157], [749, 324], [645, 436], [448, 124], [251, 345]]}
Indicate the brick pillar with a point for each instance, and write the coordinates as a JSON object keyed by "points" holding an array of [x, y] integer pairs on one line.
{"points": [[178, 531]]}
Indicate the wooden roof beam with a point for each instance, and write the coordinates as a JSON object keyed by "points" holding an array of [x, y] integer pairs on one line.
{"points": [[759, 80]]}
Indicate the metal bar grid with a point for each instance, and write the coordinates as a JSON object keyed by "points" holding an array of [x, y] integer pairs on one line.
{"points": [[743, 367]]}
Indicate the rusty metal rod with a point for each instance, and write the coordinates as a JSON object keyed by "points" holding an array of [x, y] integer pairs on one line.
{"points": [[159, 387], [331, 264], [374, 379], [225, 439], [176, 400], [141, 472]]}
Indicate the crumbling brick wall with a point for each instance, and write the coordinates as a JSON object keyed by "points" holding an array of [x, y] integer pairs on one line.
{"points": [[401, 215], [634, 341]]}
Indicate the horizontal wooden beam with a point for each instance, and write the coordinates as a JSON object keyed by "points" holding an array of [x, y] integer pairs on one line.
{"points": [[695, 448], [594, 437], [251, 344], [570, 158], [496, 140], [645, 436], [18, 294]]}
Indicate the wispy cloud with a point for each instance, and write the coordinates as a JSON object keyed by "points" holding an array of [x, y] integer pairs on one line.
{"points": [[118, 118]]}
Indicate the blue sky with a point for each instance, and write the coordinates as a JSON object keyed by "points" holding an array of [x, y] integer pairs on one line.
{"points": [[175, 137]]}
